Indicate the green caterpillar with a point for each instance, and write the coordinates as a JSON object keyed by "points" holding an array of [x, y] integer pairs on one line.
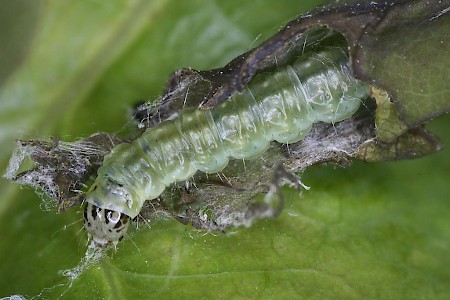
{"points": [[275, 106]]}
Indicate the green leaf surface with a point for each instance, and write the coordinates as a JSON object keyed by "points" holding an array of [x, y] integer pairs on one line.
{"points": [[412, 39], [368, 231]]}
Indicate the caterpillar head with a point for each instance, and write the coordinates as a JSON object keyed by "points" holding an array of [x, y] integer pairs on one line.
{"points": [[105, 227], [107, 214]]}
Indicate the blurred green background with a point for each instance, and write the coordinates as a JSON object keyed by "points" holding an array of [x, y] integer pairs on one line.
{"points": [[71, 68]]}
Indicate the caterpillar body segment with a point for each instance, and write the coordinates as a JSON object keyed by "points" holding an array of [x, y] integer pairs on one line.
{"points": [[275, 106]]}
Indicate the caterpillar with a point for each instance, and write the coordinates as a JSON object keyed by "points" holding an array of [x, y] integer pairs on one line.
{"points": [[279, 105]]}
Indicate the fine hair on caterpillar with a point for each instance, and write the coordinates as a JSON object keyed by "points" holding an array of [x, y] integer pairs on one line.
{"points": [[280, 105]]}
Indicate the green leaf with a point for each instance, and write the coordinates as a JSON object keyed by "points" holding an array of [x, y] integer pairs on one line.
{"points": [[397, 49], [368, 231]]}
